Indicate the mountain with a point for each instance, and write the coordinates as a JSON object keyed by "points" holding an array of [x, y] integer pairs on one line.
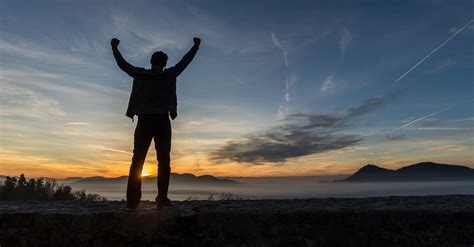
{"points": [[371, 172], [175, 178], [425, 171], [100, 179], [191, 178]]}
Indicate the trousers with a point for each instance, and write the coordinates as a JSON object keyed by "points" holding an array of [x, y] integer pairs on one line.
{"points": [[157, 127]]}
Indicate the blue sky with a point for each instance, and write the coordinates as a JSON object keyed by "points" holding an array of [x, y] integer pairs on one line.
{"points": [[253, 101]]}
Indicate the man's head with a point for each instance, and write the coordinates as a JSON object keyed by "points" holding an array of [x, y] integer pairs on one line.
{"points": [[159, 59]]}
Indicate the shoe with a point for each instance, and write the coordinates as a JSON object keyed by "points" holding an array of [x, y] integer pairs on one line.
{"points": [[163, 202], [132, 206]]}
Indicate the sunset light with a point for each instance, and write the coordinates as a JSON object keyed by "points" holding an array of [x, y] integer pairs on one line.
{"points": [[322, 93], [237, 123]]}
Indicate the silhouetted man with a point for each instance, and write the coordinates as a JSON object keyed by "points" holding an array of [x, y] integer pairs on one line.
{"points": [[153, 97]]}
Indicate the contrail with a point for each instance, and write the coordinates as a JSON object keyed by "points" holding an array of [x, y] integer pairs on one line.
{"points": [[437, 48], [419, 119], [283, 110], [282, 49]]}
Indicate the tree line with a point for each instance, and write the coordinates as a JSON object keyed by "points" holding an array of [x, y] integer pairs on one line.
{"points": [[21, 189]]}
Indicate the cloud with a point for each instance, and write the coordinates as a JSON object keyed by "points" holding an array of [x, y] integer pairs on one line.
{"points": [[395, 137], [284, 142], [320, 120], [194, 123], [283, 109], [64, 82], [456, 29], [467, 129], [331, 86], [444, 65], [104, 148], [328, 85], [25, 103], [372, 103], [78, 123], [453, 147], [29, 50], [291, 78], [277, 43], [345, 38], [298, 135]]}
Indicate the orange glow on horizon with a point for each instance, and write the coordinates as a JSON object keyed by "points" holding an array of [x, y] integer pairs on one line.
{"points": [[145, 172]]}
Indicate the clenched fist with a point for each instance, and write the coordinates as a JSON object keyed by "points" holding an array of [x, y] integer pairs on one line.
{"points": [[173, 114], [197, 41], [115, 42]]}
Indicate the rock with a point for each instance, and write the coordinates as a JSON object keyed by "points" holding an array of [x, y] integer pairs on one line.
{"points": [[378, 221]]}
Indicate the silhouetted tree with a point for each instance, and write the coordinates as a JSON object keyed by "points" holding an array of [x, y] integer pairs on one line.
{"points": [[80, 195], [49, 188], [40, 194], [20, 189], [30, 188], [95, 197], [63, 193], [14, 189], [8, 188]]}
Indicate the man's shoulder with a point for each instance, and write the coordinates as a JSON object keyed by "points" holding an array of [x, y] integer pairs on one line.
{"points": [[170, 71], [150, 74], [140, 69]]}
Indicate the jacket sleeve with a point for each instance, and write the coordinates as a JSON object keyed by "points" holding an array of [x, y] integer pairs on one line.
{"points": [[184, 62], [124, 65]]}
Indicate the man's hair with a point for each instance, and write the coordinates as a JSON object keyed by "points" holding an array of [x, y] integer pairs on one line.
{"points": [[159, 58]]}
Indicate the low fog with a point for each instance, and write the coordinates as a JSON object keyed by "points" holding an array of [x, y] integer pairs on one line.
{"points": [[280, 188]]}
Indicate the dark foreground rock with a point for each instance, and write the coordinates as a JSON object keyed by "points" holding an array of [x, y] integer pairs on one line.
{"points": [[382, 221]]}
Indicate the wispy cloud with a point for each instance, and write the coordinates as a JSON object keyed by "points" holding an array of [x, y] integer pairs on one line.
{"points": [[33, 51], [291, 78], [328, 85], [284, 53], [452, 147], [467, 129], [444, 65], [63, 82], [78, 123], [24, 103], [331, 85], [455, 29], [283, 109], [195, 123], [104, 148], [345, 38], [373, 103], [300, 134]]}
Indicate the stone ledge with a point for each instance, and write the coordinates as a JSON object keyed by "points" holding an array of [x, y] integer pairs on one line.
{"points": [[378, 221]]}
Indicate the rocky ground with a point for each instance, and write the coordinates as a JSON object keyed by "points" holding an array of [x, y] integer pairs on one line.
{"points": [[378, 221]]}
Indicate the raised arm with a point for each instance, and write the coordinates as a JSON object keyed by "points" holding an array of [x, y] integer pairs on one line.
{"points": [[124, 65], [188, 57]]}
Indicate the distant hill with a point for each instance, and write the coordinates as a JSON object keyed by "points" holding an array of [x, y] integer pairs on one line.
{"points": [[425, 171], [191, 178], [185, 178], [100, 179]]}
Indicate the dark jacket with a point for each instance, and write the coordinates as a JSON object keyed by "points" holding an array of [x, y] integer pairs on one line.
{"points": [[153, 92]]}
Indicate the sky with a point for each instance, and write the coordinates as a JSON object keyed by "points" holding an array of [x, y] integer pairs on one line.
{"points": [[277, 88]]}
